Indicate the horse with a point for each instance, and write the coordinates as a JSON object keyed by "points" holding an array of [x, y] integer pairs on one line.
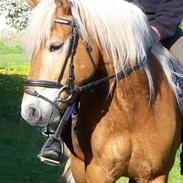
{"points": [[104, 58]]}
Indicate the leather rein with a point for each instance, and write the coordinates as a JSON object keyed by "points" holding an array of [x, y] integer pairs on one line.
{"points": [[70, 54], [72, 93]]}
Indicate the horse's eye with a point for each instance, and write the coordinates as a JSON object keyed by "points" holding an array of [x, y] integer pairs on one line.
{"points": [[55, 47]]}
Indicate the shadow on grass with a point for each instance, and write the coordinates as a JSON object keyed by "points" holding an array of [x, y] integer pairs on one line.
{"points": [[19, 142]]}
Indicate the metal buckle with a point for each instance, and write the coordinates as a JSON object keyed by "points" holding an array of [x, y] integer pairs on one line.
{"points": [[67, 91]]}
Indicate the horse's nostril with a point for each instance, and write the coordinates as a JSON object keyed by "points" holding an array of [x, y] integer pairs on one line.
{"points": [[34, 114]]}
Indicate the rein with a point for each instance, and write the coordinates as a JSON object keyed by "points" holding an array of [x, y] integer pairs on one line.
{"points": [[49, 84], [70, 54], [73, 93]]}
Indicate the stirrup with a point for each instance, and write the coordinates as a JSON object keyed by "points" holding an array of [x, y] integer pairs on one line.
{"points": [[49, 159]]}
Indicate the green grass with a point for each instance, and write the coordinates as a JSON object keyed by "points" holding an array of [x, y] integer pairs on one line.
{"points": [[12, 56], [175, 176], [181, 25], [6, 49], [19, 142], [13, 60]]}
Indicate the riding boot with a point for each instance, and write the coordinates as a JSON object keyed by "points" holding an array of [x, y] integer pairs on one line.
{"points": [[52, 151]]}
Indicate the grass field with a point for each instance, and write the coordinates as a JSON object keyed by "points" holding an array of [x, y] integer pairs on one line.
{"points": [[19, 142], [181, 25]]}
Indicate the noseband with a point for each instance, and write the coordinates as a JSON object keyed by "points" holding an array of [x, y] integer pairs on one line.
{"points": [[69, 88]]}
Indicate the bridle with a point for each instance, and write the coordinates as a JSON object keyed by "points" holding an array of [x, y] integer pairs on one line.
{"points": [[72, 92], [69, 86], [51, 84]]}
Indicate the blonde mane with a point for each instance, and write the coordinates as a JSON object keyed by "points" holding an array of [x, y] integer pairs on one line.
{"points": [[39, 25], [120, 29], [116, 28]]}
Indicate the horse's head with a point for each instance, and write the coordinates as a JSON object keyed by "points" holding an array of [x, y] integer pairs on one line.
{"points": [[60, 62]]}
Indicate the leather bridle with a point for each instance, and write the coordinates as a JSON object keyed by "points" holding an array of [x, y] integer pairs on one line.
{"points": [[73, 93], [51, 84], [68, 88]]}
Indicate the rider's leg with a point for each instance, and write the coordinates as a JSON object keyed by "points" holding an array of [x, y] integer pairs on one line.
{"points": [[177, 48], [175, 45]]}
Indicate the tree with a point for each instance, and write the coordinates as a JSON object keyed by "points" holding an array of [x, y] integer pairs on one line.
{"points": [[16, 13]]}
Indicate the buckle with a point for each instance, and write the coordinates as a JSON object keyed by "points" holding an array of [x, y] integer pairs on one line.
{"points": [[67, 92]]}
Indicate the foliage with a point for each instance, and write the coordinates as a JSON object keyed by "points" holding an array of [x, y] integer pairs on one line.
{"points": [[16, 13]]}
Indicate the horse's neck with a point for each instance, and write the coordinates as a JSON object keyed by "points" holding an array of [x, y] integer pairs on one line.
{"points": [[112, 103], [127, 108], [135, 85], [130, 94], [121, 97]]}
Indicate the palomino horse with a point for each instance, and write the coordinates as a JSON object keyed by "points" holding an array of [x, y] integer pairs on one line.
{"points": [[101, 53]]}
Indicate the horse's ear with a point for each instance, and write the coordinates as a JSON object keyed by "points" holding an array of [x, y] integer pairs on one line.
{"points": [[33, 3], [64, 5]]}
